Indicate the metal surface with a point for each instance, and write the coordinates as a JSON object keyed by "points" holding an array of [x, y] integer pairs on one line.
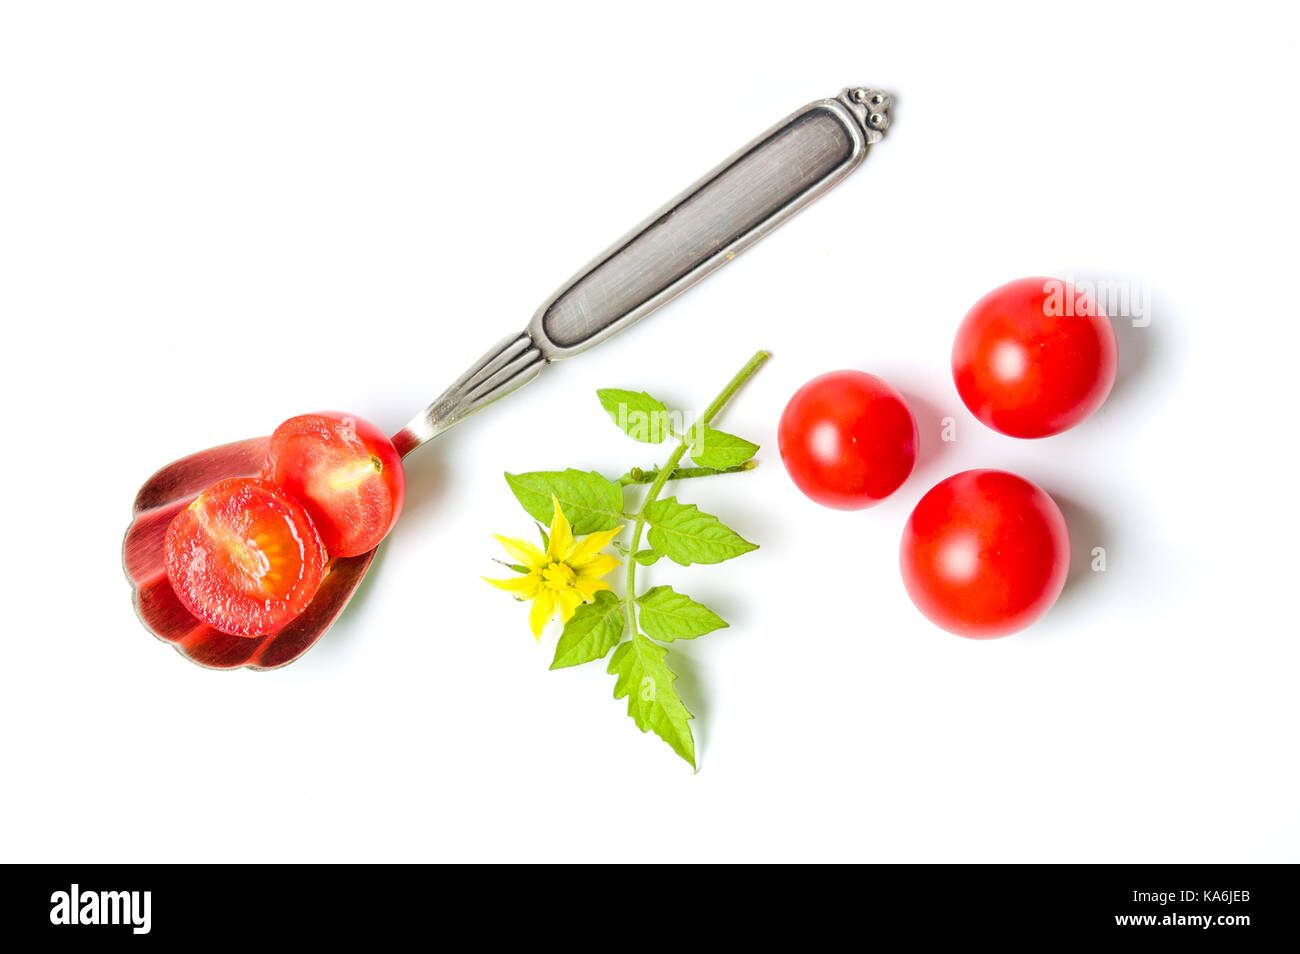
{"points": [[699, 231], [511, 364], [703, 228]]}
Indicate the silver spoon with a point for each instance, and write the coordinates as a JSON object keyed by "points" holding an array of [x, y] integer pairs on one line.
{"points": [[705, 227]]}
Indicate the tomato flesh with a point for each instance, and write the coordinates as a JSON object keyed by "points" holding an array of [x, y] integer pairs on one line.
{"points": [[347, 474], [1034, 357], [985, 553], [244, 557], [847, 439]]}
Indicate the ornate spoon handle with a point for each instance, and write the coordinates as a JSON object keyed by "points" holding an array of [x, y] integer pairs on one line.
{"points": [[708, 225]]}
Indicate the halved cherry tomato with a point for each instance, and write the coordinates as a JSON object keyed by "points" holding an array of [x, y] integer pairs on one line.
{"points": [[985, 553], [1034, 357], [244, 557], [847, 439], [347, 474]]}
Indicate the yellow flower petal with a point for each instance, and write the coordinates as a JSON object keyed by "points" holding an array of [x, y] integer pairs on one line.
{"points": [[589, 546], [567, 575], [543, 609], [523, 551], [599, 565], [589, 586], [561, 534], [524, 586], [569, 601]]}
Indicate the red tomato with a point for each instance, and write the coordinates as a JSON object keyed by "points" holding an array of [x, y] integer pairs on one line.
{"points": [[244, 557], [1034, 357], [985, 553], [847, 439], [347, 474]]}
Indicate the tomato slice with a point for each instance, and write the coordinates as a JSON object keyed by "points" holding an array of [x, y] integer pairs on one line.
{"points": [[347, 474], [244, 557]]}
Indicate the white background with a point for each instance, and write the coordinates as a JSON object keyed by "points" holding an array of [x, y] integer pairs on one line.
{"points": [[215, 216]]}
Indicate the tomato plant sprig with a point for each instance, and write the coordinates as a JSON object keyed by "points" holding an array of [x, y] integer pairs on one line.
{"points": [[657, 485], [565, 578], [638, 476]]}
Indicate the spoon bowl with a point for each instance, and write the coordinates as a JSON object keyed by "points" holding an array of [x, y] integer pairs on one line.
{"points": [[512, 363], [166, 494]]}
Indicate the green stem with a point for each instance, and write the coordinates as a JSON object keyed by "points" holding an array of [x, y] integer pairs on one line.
{"points": [[669, 469], [638, 476]]}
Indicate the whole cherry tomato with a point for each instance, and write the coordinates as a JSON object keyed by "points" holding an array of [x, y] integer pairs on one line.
{"points": [[1034, 357], [347, 474], [847, 439], [244, 557], [985, 553]]}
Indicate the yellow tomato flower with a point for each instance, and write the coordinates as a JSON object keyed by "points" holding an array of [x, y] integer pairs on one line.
{"points": [[567, 574]]}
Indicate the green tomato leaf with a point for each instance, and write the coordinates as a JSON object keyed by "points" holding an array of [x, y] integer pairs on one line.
{"points": [[667, 615], [590, 501], [647, 682], [685, 534], [592, 631], [718, 449], [646, 557], [636, 413]]}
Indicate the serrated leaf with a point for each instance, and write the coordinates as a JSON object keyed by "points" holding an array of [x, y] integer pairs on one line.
{"points": [[646, 557], [718, 449], [592, 631], [636, 413], [685, 534], [590, 501], [652, 702], [668, 615]]}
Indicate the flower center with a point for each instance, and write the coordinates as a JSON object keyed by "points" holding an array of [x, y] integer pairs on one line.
{"points": [[558, 576]]}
